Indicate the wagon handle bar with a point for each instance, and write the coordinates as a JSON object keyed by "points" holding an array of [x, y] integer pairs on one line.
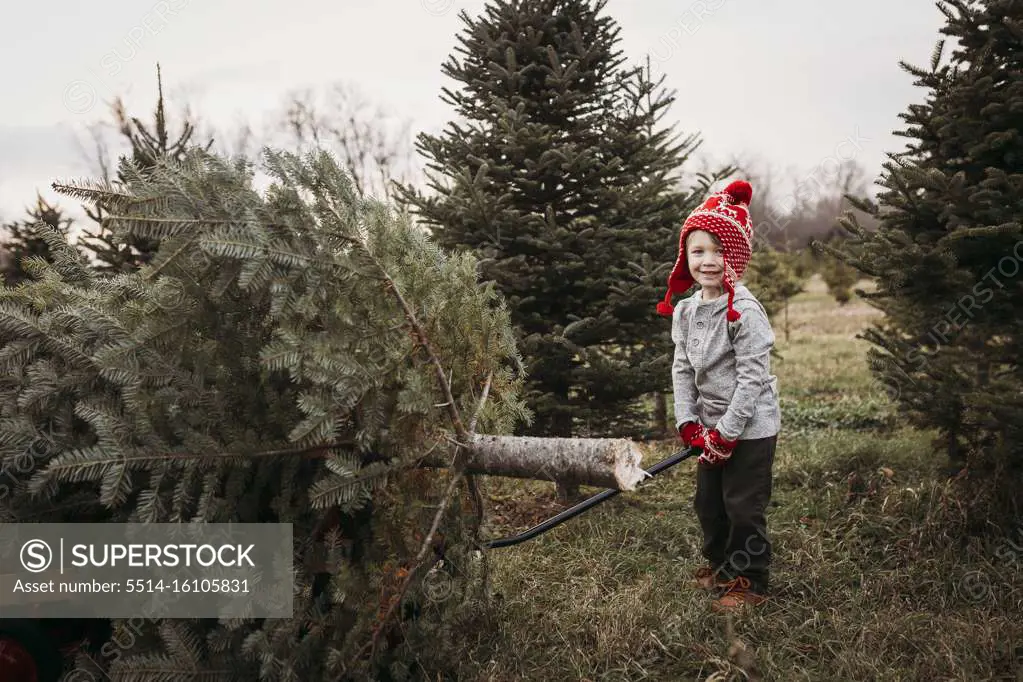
{"points": [[588, 503]]}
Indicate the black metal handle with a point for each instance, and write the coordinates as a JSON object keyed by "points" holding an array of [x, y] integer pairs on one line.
{"points": [[586, 504]]}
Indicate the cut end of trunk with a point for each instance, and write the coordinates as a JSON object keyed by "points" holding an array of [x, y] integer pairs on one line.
{"points": [[628, 466]]}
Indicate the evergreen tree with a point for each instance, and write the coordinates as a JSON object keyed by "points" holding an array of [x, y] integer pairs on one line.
{"points": [[803, 262], [948, 247], [26, 239], [287, 356], [560, 179], [125, 252], [775, 277], [837, 274]]}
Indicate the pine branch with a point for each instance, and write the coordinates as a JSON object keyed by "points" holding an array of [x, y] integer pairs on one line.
{"points": [[417, 564], [161, 228], [420, 332], [342, 487], [1012, 229], [66, 259], [151, 275], [472, 483], [427, 543], [72, 463], [483, 400], [96, 192]]}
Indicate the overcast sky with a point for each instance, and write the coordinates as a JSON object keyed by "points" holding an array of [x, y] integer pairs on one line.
{"points": [[797, 83]]}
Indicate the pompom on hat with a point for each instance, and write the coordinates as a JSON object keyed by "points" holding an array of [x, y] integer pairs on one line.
{"points": [[726, 215]]}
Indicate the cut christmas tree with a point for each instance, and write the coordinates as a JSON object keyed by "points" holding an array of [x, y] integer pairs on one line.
{"points": [[304, 356]]}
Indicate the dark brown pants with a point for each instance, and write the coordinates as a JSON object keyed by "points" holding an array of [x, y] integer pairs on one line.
{"points": [[731, 504]]}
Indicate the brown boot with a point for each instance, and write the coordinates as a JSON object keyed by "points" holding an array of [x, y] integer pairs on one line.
{"points": [[738, 595], [707, 578]]}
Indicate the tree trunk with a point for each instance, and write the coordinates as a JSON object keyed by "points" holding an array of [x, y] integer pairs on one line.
{"points": [[566, 491], [601, 462]]}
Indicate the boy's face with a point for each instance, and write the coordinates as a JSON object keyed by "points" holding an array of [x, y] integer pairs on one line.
{"points": [[706, 259]]}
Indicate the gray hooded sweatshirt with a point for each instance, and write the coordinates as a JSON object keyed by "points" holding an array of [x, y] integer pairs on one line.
{"points": [[724, 381]]}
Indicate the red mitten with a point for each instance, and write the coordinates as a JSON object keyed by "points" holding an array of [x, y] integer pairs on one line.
{"points": [[700, 440], [691, 431], [716, 449]]}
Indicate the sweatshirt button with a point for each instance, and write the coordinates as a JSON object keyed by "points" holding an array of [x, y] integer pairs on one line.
{"points": [[699, 325], [696, 342]]}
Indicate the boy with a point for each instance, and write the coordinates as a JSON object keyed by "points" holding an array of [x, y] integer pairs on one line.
{"points": [[726, 399]]}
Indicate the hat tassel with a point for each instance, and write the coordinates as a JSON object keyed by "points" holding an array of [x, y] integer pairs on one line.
{"points": [[733, 314], [664, 307]]}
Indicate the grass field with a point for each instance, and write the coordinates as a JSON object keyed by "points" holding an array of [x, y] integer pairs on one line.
{"points": [[872, 577]]}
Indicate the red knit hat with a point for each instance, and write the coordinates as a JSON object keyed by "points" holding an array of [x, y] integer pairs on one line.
{"points": [[726, 216]]}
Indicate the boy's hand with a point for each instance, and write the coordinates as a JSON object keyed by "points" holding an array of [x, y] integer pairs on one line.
{"points": [[716, 450], [691, 432]]}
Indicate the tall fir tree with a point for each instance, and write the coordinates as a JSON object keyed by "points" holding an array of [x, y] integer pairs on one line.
{"points": [[561, 180], [948, 251], [112, 252], [283, 359], [24, 239]]}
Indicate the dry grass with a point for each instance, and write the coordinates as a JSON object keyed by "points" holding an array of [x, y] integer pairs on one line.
{"points": [[871, 580]]}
